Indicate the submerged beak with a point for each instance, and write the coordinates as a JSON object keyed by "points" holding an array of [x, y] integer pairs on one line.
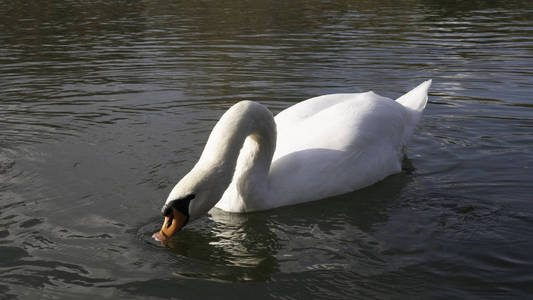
{"points": [[172, 224]]}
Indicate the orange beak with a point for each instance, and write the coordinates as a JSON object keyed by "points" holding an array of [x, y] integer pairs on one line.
{"points": [[172, 224]]}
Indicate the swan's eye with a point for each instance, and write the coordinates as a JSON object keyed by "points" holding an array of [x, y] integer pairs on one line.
{"points": [[180, 204]]}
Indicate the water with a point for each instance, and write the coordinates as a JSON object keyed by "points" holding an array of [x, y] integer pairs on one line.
{"points": [[105, 105]]}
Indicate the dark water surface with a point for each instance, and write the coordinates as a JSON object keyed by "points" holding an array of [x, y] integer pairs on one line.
{"points": [[105, 105]]}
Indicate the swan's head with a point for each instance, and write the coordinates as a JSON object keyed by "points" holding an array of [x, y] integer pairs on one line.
{"points": [[193, 196]]}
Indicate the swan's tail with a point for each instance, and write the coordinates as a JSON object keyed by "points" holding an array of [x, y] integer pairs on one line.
{"points": [[415, 102], [417, 98]]}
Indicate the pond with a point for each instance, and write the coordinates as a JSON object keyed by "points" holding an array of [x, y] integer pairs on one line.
{"points": [[105, 105]]}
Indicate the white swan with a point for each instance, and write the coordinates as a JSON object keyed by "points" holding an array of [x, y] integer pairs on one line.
{"points": [[321, 147]]}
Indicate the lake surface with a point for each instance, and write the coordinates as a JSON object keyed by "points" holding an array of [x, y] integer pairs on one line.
{"points": [[105, 105]]}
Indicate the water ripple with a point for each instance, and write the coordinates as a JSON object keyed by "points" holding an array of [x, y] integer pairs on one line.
{"points": [[104, 105]]}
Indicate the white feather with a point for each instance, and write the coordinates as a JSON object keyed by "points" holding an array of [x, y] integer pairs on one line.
{"points": [[318, 148]]}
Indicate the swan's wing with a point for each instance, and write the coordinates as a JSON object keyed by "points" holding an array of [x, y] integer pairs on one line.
{"points": [[336, 122], [306, 109], [325, 149]]}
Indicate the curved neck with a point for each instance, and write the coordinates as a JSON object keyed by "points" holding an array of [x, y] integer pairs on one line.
{"points": [[238, 155]]}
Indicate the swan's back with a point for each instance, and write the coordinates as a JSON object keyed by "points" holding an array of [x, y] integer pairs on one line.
{"points": [[334, 144]]}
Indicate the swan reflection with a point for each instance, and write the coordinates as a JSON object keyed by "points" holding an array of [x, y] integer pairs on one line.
{"points": [[331, 234]]}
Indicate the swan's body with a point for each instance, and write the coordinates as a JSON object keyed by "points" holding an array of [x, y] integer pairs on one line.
{"points": [[321, 147]]}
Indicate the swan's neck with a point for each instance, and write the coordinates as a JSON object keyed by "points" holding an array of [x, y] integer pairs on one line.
{"points": [[238, 155]]}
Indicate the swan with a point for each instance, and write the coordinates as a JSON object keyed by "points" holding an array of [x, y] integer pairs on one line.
{"points": [[318, 148]]}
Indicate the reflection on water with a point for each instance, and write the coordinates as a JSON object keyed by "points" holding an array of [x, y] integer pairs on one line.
{"points": [[105, 105], [244, 247]]}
